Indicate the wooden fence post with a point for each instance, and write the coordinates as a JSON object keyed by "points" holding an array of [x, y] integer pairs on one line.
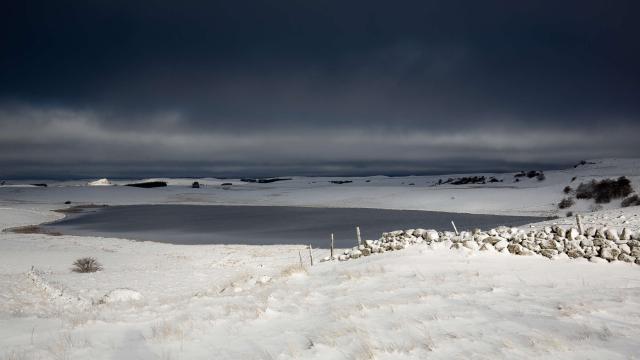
{"points": [[310, 255], [579, 224], [331, 246], [358, 235], [454, 227]]}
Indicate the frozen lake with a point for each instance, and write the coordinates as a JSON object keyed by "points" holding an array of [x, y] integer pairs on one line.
{"points": [[263, 225]]}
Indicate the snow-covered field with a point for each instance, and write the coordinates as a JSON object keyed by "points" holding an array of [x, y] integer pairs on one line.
{"points": [[526, 197], [163, 301]]}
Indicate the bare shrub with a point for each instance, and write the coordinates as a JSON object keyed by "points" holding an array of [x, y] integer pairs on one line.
{"points": [[605, 190], [595, 207], [86, 265], [566, 203], [631, 201], [34, 229]]}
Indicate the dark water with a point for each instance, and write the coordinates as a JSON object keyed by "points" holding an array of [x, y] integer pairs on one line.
{"points": [[263, 225]]}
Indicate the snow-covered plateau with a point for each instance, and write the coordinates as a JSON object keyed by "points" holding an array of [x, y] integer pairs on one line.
{"points": [[424, 299]]}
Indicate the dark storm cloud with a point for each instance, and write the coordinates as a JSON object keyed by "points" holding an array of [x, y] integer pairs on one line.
{"points": [[315, 87]]}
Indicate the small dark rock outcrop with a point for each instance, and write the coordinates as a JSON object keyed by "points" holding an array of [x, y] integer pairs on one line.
{"points": [[150, 184]]}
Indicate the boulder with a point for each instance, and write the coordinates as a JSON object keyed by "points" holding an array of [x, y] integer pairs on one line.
{"points": [[626, 258], [494, 239], [590, 232], [487, 247], [635, 252], [366, 252], [431, 235], [624, 248], [572, 234], [575, 253], [559, 231], [586, 242], [482, 238], [633, 243], [500, 245], [599, 242], [550, 253], [548, 244], [609, 253], [625, 235], [589, 251], [525, 252], [419, 232], [355, 254], [611, 234], [514, 248]]}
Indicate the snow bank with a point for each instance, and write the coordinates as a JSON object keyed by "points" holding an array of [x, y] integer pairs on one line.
{"points": [[100, 182], [121, 296]]}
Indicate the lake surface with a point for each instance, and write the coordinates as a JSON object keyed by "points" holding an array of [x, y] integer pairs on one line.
{"points": [[263, 225]]}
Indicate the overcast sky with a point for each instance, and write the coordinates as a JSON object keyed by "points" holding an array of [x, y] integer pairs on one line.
{"points": [[189, 88]]}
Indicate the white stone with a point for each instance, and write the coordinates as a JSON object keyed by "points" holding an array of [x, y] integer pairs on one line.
{"points": [[487, 247], [624, 248], [612, 234], [431, 235], [501, 245], [572, 234]]}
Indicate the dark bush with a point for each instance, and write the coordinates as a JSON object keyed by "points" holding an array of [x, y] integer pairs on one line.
{"points": [[566, 203], [574, 178], [541, 176], [86, 265], [631, 201], [569, 213], [195, 185], [605, 190], [149, 185], [583, 162], [567, 189]]}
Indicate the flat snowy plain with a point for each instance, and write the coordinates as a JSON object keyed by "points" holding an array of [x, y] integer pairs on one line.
{"points": [[163, 301]]}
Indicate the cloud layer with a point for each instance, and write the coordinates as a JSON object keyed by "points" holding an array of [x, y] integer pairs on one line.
{"points": [[262, 87]]}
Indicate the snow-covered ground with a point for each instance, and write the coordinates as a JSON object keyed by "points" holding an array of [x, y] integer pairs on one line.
{"points": [[163, 301], [526, 197]]}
